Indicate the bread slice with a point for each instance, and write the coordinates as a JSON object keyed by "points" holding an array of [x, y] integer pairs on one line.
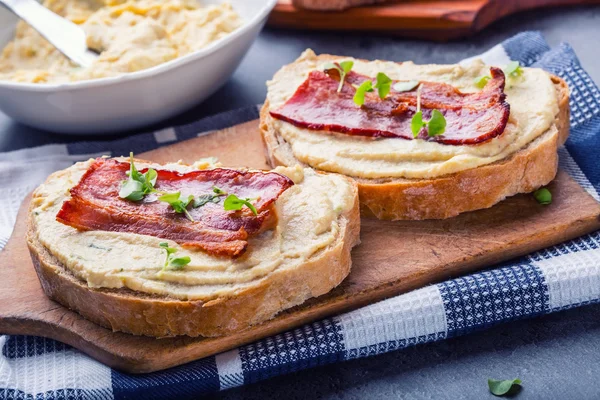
{"points": [[524, 171], [333, 5], [139, 313]]}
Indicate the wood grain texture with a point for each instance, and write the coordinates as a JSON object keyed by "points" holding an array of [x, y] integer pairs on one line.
{"points": [[393, 258], [439, 20]]}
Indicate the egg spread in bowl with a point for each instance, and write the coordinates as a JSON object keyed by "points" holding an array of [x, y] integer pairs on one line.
{"points": [[130, 35]]}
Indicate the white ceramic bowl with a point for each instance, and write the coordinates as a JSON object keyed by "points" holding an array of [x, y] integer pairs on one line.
{"points": [[135, 99]]}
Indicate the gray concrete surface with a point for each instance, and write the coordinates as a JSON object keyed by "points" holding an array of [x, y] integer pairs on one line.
{"points": [[556, 356]]}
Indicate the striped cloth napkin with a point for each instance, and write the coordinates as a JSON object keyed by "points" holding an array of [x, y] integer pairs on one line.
{"points": [[564, 276]]}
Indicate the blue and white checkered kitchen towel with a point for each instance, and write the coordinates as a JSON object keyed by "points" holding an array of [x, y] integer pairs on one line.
{"points": [[564, 276]]}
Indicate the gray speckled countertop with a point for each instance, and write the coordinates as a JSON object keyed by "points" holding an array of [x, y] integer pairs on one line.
{"points": [[556, 356]]}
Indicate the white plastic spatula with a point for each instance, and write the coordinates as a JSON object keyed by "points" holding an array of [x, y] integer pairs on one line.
{"points": [[63, 34]]}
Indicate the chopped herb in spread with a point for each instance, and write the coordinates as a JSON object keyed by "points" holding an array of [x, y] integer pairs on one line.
{"points": [[343, 69], [506, 387], [232, 202], [543, 196], [436, 124], [172, 262], [137, 185]]}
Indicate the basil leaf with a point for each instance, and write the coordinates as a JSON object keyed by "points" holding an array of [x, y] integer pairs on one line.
{"points": [[234, 203], [406, 86], [359, 96], [383, 84], [543, 196], [513, 68], [437, 124], [482, 81], [346, 66], [416, 124], [500, 388]]}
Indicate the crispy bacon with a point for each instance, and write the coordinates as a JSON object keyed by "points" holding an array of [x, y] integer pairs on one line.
{"points": [[95, 205], [471, 118]]}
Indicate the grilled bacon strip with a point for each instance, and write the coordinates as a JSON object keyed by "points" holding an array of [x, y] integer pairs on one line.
{"points": [[95, 205], [471, 118]]}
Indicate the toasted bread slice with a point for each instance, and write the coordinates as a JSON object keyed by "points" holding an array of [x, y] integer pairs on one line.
{"points": [[163, 315], [524, 171]]}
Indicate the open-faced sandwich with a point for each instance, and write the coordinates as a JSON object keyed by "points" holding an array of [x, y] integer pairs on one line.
{"points": [[165, 250], [421, 141]]}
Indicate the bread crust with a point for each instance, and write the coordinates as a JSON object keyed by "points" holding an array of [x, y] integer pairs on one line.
{"points": [[447, 196], [137, 313]]}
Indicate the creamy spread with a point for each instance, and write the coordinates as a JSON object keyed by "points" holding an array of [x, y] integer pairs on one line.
{"points": [[308, 222], [130, 35], [533, 108]]}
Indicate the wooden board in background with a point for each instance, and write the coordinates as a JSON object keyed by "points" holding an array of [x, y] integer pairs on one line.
{"points": [[393, 258], [439, 20]]}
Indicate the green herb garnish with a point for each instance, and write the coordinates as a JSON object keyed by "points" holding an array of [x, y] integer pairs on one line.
{"points": [[543, 196], [500, 388], [359, 96], [383, 85], [406, 86], [343, 68], [232, 202], [482, 81], [137, 185], [513, 69], [177, 203], [172, 262], [436, 124], [213, 197]]}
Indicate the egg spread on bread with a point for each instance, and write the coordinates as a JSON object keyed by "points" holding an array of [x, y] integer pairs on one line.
{"points": [[532, 97]]}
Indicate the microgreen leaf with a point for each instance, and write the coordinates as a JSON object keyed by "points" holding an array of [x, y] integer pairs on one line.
{"points": [[437, 124], [405, 86], [172, 262], [346, 66], [500, 388], [383, 85], [178, 204], [232, 202], [513, 69], [343, 69], [543, 196], [416, 124], [359, 96], [218, 191], [137, 185], [482, 81]]}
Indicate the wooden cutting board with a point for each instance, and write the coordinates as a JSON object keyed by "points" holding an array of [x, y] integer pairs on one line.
{"points": [[439, 20], [393, 258]]}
